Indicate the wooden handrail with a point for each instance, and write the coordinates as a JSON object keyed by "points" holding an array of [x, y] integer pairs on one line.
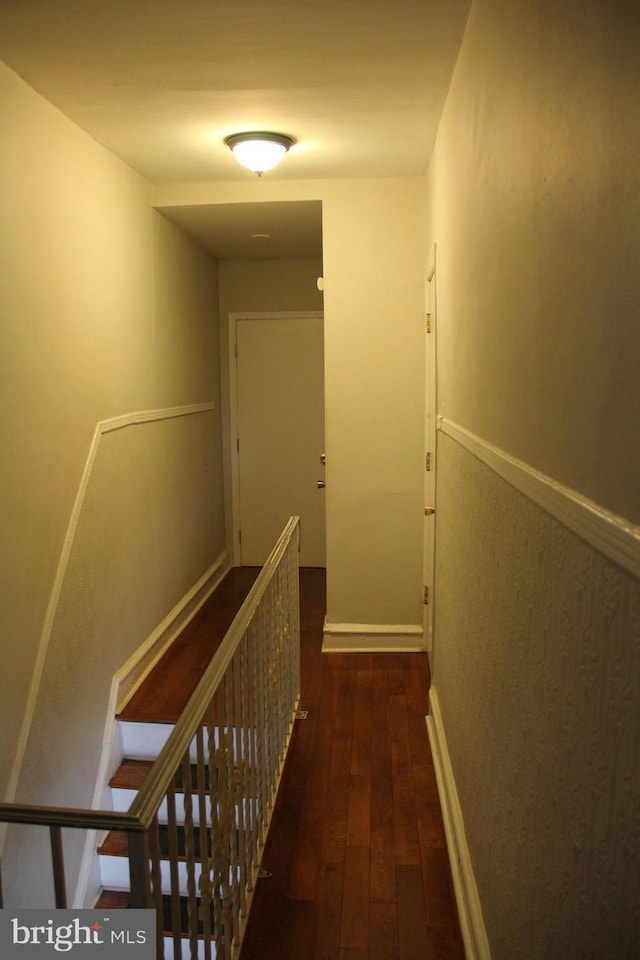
{"points": [[69, 817]]}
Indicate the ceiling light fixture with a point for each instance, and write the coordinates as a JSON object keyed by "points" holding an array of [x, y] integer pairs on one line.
{"points": [[259, 151]]}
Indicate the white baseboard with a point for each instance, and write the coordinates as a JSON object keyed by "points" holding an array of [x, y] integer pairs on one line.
{"points": [[142, 662], [372, 638], [474, 936]]}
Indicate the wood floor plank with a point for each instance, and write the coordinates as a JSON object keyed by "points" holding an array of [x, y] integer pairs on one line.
{"points": [[383, 850], [334, 828], [267, 919], [305, 866], [430, 825], [359, 810], [438, 889], [396, 674], [353, 953], [380, 741], [354, 923], [425, 784], [383, 932], [300, 922], [413, 935], [445, 945], [362, 725], [329, 913], [407, 844], [323, 713], [334, 834]]}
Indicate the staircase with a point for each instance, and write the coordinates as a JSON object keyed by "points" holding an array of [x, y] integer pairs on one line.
{"points": [[142, 742], [143, 729], [223, 724]]}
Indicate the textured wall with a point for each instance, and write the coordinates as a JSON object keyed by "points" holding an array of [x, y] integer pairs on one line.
{"points": [[532, 199], [537, 671], [535, 191]]}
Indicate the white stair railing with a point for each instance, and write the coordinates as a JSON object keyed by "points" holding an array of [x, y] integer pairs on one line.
{"points": [[237, 724]]}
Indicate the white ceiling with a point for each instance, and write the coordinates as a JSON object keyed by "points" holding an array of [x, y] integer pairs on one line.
{"points": [[360, 85]]}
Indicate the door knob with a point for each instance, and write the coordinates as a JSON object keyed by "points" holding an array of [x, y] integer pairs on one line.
{"points": [[321, 484]]}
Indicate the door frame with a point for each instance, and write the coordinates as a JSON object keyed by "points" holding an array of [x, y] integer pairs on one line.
{"points": [[233, 319], [430, 447]]}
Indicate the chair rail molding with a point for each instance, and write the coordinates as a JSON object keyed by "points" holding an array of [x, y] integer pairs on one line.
{"points": [[612, 535]]}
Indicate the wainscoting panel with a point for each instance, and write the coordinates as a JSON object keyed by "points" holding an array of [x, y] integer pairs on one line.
{"points": [[537, 671]]}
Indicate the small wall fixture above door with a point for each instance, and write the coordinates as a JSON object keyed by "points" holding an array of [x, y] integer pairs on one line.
{"points": [[259, 151]]}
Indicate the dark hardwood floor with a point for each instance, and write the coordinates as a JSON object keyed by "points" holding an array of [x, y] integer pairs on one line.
{"points": [[356, 849]]}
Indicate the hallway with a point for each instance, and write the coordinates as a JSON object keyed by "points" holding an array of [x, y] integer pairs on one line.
{"points": [[356, 853], [506, 176], [356, 850]]}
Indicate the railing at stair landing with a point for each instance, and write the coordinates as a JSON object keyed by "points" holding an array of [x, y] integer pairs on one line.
{"points": [[227, 751]]}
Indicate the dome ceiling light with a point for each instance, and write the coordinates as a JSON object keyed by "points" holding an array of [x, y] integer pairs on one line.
{"points": [[259, 151]]}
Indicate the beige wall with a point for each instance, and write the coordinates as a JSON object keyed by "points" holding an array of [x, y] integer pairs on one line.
{"points": [[374, 350], [272, 285], [533, 196], [374, 384], [107, 309]]}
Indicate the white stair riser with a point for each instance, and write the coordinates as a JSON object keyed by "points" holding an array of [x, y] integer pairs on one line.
{"points": [[169, 949], [122, 800], [144, 741], [114, 872]]}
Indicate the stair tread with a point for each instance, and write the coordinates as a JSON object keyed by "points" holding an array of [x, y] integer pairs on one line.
{"points": [[113, 900], [116, 843], [131, 774]]}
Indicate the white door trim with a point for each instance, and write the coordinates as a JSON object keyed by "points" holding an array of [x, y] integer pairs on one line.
{"points": [[233, 319], [430, 446]]}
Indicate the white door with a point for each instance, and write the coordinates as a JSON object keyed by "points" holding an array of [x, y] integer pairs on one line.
{"points": [[280, 377], [430, 454]]}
